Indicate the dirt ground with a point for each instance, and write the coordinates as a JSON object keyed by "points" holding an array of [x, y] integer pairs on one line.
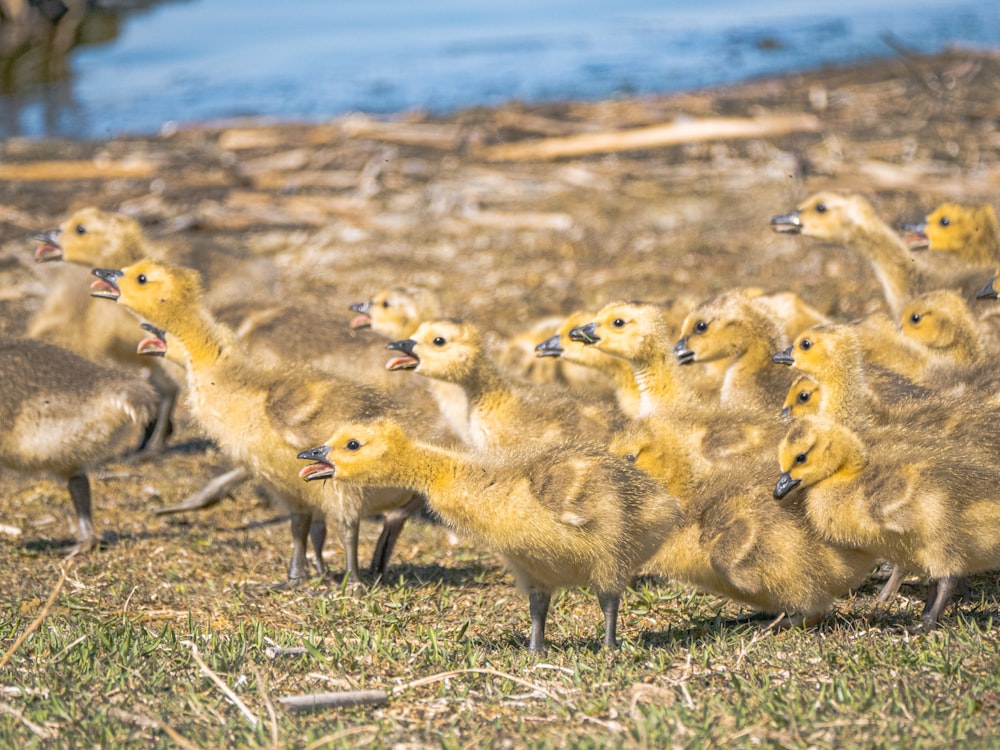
{"points": [[335, 211]]}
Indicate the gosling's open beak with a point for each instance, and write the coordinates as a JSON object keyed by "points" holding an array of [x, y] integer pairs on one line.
{"points": [[50, 249], [154, 345], [785, 485], [915, 236], [105, 285], [320, 468], [408, 361], [790, 223], [551, 347], [364, 319], [784, 357], [684, 355], [989, 291], [586, 334]]}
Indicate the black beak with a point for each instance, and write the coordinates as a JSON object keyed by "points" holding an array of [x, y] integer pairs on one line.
{"points": [[551, 347], [989, 291], [785, 485], [683, 354], [790, 223], [784, 357], [405, 346], [315, 454], [786, 412], [586, 334], [106, 286], [362, 307], [50, 237], [155, 345]]}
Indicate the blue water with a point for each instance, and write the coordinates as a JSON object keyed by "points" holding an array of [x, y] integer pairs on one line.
{"points": [[313, 59]]}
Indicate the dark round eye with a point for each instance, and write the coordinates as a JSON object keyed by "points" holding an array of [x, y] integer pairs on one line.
{"points": [[618, 323], [916, 318], [631, 457], [805, 345], [385, 303], [801, 458], [353, 445], [700, 327], [821, 208], [945, 221], [804, 397], [141, 278], [439, 341], [81, 229]]}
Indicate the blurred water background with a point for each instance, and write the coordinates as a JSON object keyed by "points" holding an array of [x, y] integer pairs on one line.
{"points": [[129, 67]]}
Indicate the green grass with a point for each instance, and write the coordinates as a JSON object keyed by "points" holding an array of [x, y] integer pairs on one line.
{"points": [[111, 664]]}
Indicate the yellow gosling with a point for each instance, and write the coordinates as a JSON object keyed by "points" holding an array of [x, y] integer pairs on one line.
{"points": [[561, 515], [918, 500], [503, 411], [259, 414]]}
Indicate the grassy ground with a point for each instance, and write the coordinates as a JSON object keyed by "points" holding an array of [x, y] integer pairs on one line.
{"points": [[135, 646], [132, 650]]}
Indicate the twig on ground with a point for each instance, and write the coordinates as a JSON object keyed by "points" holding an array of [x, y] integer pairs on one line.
{"points": [[38, 620]]}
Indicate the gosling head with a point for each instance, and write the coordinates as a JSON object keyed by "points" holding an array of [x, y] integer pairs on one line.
{"points": [[953, 227], [826, 216], [395, 312], [363, 452], [623, 329], [802, 399], [936, 318], [716, 329], [444, 349], [806, 455], [92, 237], [813, 351], [155, 291]]}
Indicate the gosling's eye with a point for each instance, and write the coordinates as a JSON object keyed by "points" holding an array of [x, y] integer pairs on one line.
{"points": [[353, 445], [385, 303], [801, 458], [618, 323], [700, 327], [631, 457], [81, 229], [439, 341], [821, 208], [945, 221], [141, 278], [916, 318], [805, 345], [804, 397]]}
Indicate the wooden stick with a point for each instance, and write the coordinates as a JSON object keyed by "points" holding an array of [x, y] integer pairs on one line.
{"points": [[343, 699], [41, 171], [655, 136]]}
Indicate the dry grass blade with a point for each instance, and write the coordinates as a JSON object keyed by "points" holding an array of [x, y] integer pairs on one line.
{"points": [[35, 729], [38, 620], [234, 699], [149, 721], [494, 672]]}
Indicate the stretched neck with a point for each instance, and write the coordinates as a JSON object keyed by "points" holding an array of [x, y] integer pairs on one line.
{"points": [[482, 380], [891, 259], [204, 341], [659, 381]]}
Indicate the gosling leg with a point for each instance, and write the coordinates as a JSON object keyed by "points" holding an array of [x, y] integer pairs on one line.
{"points": [[317, 535], [156, 441], [301, 524], [79, 492], [940, 592], [347, 530], [208, 495], [538, 605], [391, 529], [609, 606], [891, 587]]}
